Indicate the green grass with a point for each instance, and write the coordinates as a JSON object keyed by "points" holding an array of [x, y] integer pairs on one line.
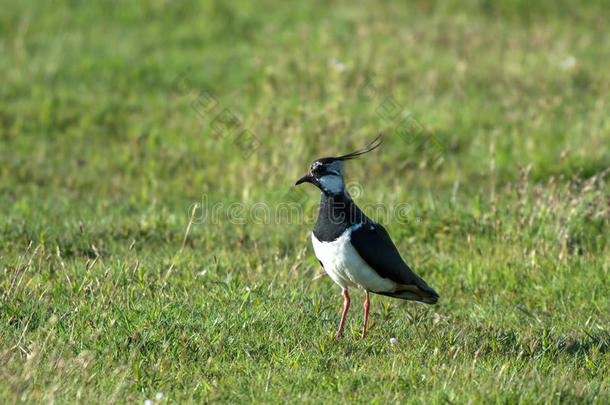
{"points": [[108, 139]]}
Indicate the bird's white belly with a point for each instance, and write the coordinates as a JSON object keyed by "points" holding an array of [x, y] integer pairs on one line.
{"points": [[345, 266]]}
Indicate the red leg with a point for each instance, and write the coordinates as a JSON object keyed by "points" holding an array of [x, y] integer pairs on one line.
{"points": [[367, 304], [345, 307]]}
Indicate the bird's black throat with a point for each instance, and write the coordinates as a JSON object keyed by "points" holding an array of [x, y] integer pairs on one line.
{"points": [[337, 213]]}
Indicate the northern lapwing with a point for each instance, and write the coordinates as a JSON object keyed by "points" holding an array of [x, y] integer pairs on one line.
{"points": [[354, 250]]}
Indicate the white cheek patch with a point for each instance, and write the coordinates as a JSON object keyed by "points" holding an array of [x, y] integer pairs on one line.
{"points": [[332, 184]]}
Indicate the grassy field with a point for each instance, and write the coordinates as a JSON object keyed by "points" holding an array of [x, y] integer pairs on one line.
{"points": [[152, 242]]}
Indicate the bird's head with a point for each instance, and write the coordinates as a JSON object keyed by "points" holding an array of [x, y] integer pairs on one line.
{"points": [[327, 173]]}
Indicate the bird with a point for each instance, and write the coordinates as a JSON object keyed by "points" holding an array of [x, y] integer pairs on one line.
{"points": [[355, 251]]}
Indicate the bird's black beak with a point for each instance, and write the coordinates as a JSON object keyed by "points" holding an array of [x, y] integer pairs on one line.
{"points": [[306, 178]]}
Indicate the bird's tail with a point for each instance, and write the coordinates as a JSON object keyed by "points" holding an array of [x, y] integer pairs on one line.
{"points": [[420, 291]]}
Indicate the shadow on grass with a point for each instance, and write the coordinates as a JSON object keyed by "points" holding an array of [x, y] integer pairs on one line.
{"points": [[490, 341]]}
